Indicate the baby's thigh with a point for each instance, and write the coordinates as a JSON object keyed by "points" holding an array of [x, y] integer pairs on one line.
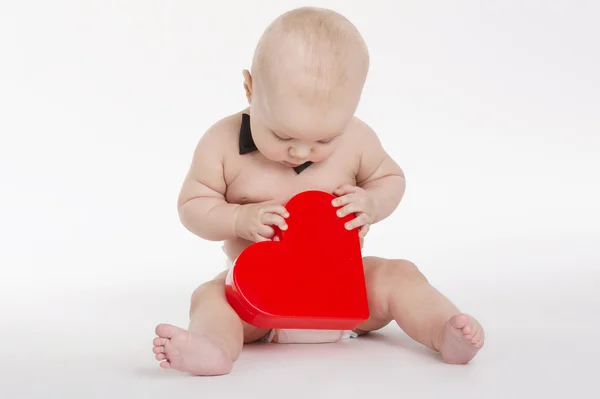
{"points": [[376, 294], [251, 333]]}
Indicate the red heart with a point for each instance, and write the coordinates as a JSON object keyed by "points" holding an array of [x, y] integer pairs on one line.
{"points": [[311, 278]]}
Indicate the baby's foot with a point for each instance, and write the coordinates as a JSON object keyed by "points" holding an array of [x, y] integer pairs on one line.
{"points": [[185, 351], [461, 339]]}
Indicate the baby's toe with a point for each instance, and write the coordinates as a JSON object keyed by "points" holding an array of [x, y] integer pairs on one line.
{"points": [[165, 364], [479, 344], [467, 331], [480, 338], [473, 330], [165, 330], [158, 349], [158, 341], [459, 321], [161, 356], [476, 335]]}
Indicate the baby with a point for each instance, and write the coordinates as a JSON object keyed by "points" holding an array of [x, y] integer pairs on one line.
{"points": [[299, 133]]}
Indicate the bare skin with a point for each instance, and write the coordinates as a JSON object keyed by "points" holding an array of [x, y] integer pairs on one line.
{"points": [[238, 198]]}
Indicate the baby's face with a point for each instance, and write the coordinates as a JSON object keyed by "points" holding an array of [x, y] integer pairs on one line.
{"points": [[287, 130], [309, 71], [280, 139]]}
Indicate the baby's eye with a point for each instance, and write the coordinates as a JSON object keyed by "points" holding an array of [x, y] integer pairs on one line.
{"points": [[325, 141], [279, 137]]}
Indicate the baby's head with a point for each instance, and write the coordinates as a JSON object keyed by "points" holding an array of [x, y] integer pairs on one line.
{"points": [[308, 73]]}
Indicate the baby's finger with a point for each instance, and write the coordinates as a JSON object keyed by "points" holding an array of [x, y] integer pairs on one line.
{"points": [[343, 200], [358, 221], [273, 219], [278, 209], [345, 189], [348, 209], [364, 230], [259, 238], [265, 233]]}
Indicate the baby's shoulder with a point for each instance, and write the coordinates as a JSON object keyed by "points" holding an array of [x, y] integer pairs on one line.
{"points": [[360, 135], [223, 135], [361, 129]]}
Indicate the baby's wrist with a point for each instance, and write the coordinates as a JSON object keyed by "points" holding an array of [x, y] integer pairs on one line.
{"points": [[236, 220], [374, 205]]}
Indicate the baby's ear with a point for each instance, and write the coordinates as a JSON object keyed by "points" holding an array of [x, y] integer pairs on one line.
{"points": [[247, 84]]}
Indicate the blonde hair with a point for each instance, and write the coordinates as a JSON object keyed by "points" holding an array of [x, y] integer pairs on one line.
{"points": [[317, 45]]}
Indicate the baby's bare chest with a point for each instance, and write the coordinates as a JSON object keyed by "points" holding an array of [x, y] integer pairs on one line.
{"points": [[257, 181]]}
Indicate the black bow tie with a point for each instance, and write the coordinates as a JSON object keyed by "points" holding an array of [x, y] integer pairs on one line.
{"points": [[247, 142]]}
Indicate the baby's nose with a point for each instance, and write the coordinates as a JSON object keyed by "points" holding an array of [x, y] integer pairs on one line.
{"points": [[300, 151]]}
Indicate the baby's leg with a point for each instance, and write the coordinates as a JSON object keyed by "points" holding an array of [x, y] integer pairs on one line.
{"points": [[398, 291], [215, 336]]}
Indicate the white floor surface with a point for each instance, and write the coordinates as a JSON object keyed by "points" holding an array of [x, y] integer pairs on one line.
{"points": [[96, 343]]}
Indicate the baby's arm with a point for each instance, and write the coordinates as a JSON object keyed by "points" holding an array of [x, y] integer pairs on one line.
{"points": [[379, 175], [202, 207]]}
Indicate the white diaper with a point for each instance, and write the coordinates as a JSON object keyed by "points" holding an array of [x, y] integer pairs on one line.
{"points": [[291, 336], [296, 336]]}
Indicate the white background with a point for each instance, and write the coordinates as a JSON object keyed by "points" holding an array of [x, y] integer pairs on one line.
{"points": [[491, 108]]}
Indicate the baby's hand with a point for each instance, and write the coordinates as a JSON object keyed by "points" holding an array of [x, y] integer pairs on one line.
{"points": [[355, 200], [254, 221]]}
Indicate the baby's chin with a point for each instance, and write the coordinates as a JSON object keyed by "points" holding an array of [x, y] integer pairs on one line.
{"points": [[291, 165], [279, 160]]}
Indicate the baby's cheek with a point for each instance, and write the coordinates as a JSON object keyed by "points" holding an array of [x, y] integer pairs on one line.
{"points": [[322, 154], [273, 151], [281, 152]]}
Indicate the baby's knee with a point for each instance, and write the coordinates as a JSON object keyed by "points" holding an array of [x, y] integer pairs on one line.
{"points": [[397, 271], [214, 288], [404, 268]]}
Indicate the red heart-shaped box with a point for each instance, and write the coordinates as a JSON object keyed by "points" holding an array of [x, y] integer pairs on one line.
{"points": [[310, 278]]}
